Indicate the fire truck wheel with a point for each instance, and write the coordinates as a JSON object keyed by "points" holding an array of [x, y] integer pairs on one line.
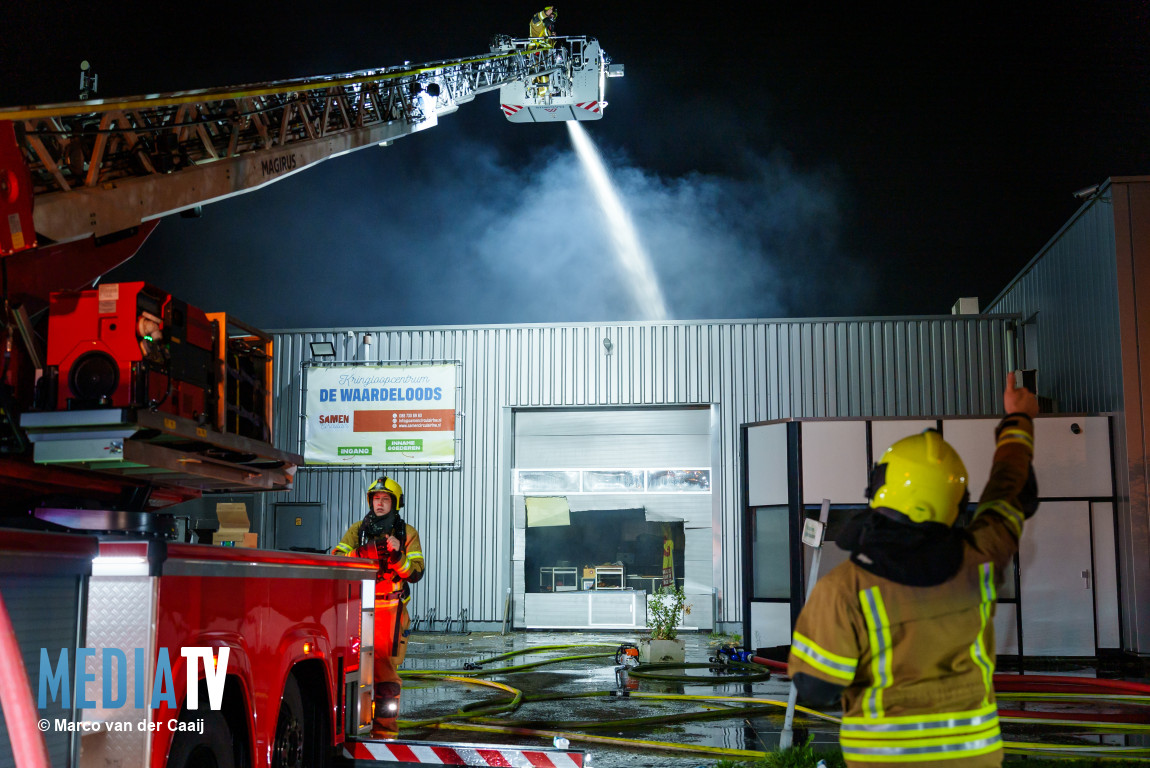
{"points": [[210, 749], [292, 745]]}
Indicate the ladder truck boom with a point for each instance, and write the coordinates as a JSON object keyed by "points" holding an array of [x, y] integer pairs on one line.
{"points": [[100, 167], [83, 184]]}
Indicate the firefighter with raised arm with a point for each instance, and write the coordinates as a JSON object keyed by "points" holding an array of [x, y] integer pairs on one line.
{"points": [[541, 30], [543, 25], [383, 536], [902, 634]]}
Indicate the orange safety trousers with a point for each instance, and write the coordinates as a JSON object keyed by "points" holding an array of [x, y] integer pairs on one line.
{"points": [[387, 684]]}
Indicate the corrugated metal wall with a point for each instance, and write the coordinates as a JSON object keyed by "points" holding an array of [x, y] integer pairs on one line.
{"points": [[753, 370], [1082, 291], [1068, 295]]}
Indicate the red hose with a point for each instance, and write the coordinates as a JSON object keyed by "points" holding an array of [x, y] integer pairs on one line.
{"points": [[20, 714], [1032, 683], [1056, 688], [1073, 684], [1085, 717]]}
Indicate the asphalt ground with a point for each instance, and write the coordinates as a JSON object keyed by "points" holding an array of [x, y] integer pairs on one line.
{"points": [[428, 698]]}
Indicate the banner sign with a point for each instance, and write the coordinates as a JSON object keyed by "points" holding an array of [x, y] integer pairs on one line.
{"points": [[380, 414]]}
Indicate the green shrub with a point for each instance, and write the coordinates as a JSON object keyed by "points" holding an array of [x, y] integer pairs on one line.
{"points": [[663, 612]]}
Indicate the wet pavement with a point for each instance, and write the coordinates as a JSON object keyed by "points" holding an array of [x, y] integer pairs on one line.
{"points": [[423, 698], [427, 698]]}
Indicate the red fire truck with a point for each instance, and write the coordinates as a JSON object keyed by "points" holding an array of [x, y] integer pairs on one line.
{"points": [[294, 684], [138, 401]]}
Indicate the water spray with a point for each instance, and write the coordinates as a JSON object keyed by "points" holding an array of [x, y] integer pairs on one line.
{"points": [[629, 251]]}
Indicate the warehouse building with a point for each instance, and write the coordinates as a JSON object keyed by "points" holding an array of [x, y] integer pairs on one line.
{"points": [[637, 427], [581, 449]]}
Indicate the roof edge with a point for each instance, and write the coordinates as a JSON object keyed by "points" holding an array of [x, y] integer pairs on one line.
{"points": [[649, 323]]}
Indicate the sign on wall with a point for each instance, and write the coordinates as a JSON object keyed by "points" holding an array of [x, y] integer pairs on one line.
{"points": [[380, 414]]}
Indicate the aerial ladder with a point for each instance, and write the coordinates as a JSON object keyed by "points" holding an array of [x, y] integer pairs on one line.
{"points": [[101, 167], [83, 184]]}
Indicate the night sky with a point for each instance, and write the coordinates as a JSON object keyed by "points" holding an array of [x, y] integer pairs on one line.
{"points": [[794, 161]]}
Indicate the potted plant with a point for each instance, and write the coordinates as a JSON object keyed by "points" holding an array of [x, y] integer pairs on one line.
{"points": [[665, 611]]}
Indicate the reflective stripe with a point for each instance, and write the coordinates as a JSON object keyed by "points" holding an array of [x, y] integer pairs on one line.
{"points": [[823, 660], [978, 647], [1017, 518], [1015, 436], [1011, 515], [380, 600], [405, 567], [878, 628], [919, 726], [344, 548], [918, 749]]}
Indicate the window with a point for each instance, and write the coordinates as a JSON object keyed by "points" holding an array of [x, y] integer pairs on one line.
{"points": [[548, 481], [682, 480], [602, 549], [569, 481], [612, 481], [771, 553]]}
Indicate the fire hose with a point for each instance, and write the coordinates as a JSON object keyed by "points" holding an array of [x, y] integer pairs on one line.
{"points": [[20, 714], [488, 716]]}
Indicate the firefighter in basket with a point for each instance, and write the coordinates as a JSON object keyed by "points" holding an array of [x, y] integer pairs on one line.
{"points": [[541, 31], [383, 536], [542, 27]]}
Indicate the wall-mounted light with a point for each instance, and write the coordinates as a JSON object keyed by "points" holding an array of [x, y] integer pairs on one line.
{"points": [[607, 345], [1093, 192], [1086, 192], [367, 339], [322, 349]]}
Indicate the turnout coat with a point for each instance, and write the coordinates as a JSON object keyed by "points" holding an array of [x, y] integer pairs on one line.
{"points": [[916, 663]]}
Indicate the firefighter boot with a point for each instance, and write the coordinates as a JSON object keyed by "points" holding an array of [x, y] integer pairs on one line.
{"points": [[386, 709]]}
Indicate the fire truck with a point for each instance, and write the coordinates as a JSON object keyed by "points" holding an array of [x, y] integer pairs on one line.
{"points": [[118, 401]]}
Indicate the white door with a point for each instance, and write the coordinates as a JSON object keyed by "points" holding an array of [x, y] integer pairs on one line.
{"points": [[1057, 583]]}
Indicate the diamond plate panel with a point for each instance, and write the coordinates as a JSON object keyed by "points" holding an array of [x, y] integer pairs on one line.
{"points": [[121, 615]]}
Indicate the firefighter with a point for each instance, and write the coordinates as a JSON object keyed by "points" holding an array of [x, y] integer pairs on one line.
{"points": [[383, 536], [541, 29], [902, 634], [543, 25]]}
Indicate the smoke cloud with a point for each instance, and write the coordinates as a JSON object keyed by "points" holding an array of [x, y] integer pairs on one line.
{"points": [[450, 230]]}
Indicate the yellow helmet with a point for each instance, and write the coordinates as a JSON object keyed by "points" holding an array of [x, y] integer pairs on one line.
{"points": [[388, 486], [921, 477]]}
